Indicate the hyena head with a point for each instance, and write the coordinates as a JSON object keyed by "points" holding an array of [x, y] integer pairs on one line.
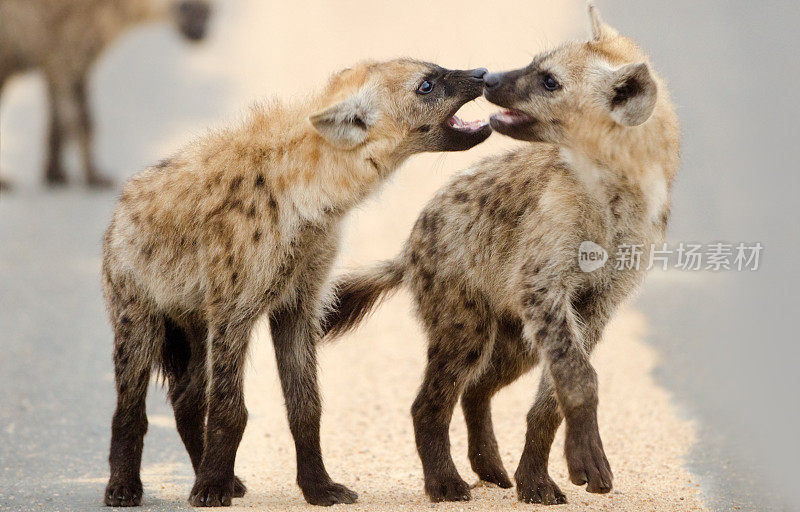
{"points": [[578, 91], [191, 17], [400, 107]]}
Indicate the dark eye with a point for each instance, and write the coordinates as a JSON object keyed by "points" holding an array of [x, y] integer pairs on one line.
{"points": [[425, 87], [550, 83]]}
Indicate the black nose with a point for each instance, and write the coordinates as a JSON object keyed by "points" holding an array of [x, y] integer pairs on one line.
{"points": [[477, 73], [491, 80]]}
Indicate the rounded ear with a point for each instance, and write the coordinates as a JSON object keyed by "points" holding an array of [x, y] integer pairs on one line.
{"points": [[598, 27], [346, 124], [631, 93]]}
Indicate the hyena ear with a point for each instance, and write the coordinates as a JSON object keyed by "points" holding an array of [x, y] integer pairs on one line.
{"points": [[347, 123], [631, 93], [598, 27]]}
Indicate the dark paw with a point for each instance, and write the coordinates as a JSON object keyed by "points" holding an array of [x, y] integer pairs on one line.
{"points": [[492, 472], [99, 181], [586, 459], [239, 488], [328, 494], [5, 185], [211, 493], [121, 494], [539, 489], [448, 489]]}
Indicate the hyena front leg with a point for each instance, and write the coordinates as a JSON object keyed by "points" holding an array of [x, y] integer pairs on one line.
{"points": [[187, 390], [509, 360], [551, 323], [460, 337], [137, 332], [295, 330], [534, 484], [228, 336]]}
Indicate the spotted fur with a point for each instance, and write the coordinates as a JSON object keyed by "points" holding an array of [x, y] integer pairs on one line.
{"points": [[492, 263], [241, 223]]}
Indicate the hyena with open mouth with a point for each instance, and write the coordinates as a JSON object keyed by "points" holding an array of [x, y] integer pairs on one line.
{"points": [[493, 259], [245, 222]]}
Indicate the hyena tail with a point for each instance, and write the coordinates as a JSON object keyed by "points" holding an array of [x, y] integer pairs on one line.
{"points": [[357, 294]]}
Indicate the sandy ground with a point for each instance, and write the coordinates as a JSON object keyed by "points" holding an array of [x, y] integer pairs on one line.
{"points": [[370, 377], [369, 380]]}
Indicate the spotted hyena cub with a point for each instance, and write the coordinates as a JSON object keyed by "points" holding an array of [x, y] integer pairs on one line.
{"points": [[493, 259], [245, 222], [63, 39]]}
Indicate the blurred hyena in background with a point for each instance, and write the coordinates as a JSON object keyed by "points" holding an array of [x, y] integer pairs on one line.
{"points": [[63, 39]]}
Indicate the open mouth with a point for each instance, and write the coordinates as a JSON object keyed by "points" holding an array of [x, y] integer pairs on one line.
{"points": [[455, 134], [456, 123], [515, 124], [511, 117]]}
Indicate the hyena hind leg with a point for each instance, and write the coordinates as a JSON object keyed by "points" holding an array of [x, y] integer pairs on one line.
{"points": [[509, 360], [229, 334], [137, 332], [183, 361], [459, 337]]}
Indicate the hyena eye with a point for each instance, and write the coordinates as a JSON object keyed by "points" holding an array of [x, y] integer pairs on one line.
{"points": [[425, 87], [550, 83]]}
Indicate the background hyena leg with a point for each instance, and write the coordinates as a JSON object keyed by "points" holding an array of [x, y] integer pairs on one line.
{"points": [[185, 366], [227, 414], [136, 335], [459, 340], [59, 102], [84, 132], [294, 334], [509, 359], [4, 185], [534, 485]]}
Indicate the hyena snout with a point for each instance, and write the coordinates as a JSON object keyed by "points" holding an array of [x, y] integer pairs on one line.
{"points": [[192, 18], [453, 89], [476, 74], [470, 81], [492, 80], [510, 90]]}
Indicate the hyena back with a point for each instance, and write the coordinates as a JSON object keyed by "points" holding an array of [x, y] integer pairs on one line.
{"points": [[243, 223], [492, 261], [63, 39]]}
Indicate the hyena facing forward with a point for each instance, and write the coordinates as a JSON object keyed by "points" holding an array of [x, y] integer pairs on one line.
{"points": [[493, 260], [63, 39], [245, 222]]}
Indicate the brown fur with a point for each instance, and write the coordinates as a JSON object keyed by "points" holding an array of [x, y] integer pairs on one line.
{"points": [[493, 262], [245, 222], [63, 39]]}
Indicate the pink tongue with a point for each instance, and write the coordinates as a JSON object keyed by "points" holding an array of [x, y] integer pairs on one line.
{"points": [[512, 116], [473, 124], [457, 122]]}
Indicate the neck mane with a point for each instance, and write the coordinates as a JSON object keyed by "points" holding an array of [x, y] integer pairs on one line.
{"points": [[310, 173]]}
